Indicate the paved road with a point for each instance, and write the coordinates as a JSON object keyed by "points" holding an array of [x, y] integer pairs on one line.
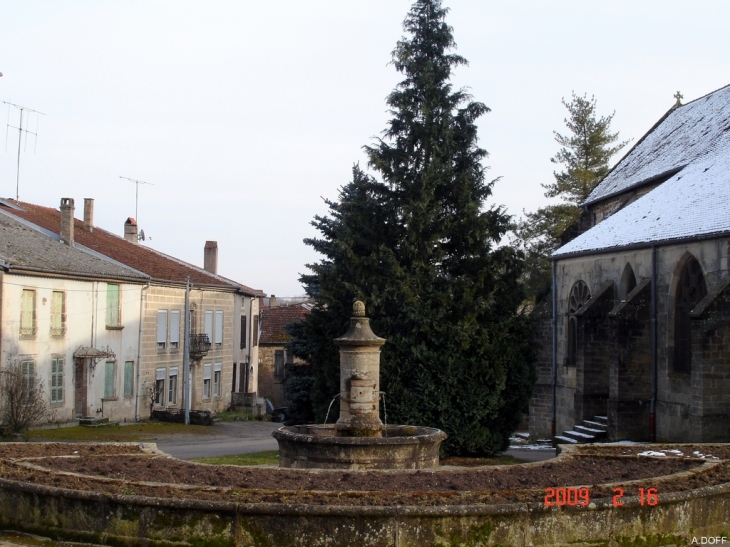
{"points": [[230, 438]]}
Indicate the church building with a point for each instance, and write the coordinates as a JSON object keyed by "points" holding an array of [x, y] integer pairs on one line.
{"points": [[638, 341]]}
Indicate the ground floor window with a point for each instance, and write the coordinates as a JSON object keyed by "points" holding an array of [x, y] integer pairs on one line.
{"points": [[128, 379], [57, 380], [217, 389], [206, 380], [172, 387], [109, 379], [279, 364], [160, 387]]}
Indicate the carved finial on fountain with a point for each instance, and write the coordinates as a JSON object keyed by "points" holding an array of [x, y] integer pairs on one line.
{"points": [[358, 309]]}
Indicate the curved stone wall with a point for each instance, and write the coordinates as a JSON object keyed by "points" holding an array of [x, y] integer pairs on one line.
{"points": [[130, 520]]}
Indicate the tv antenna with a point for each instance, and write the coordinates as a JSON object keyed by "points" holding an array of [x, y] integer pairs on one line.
{"points": [[21, 130], [136, 195]]}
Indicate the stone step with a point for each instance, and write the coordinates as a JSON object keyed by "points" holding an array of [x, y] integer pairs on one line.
{"points": [[559, 439], [601, 420], [595, 432], [595, 425], [579, 437]]}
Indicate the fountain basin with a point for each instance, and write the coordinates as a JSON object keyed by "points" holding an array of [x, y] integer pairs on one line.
{"points": [[326, 447]]}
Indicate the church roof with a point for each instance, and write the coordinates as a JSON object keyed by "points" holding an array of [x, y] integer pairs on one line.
{"points": [[685, 135], [693, 203]]}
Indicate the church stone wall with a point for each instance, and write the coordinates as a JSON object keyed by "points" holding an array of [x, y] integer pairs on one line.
{"points": [[690, 407]]}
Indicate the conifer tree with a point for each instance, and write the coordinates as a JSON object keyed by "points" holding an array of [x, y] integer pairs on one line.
{"points": [[585, 154], [421, 248]]}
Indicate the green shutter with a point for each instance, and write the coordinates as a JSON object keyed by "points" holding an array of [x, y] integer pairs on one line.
{"points": [[109, 380], [128, 378], [112, 305]]}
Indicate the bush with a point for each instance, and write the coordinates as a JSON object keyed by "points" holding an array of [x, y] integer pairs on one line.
{"points": [[22, 398]]}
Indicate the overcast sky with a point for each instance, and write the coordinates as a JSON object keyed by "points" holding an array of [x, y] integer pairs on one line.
{"points": [[243, 115]]}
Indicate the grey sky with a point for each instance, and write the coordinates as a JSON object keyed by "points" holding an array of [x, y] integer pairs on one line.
{"points": [[244, 114]]}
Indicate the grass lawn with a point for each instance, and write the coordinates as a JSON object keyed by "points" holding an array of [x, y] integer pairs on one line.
{"points": [[267, 457], [143, 431]]}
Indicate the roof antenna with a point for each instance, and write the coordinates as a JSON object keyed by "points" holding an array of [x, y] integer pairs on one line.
{"points": [[136, 197], [21, 130]]}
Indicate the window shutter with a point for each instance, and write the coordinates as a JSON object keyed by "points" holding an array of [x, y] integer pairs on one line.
{"points": [[255, 331], [219, 327], [206, 372], [161, 328], [244, 333], [209, 324], [57, 311], [128, 378], [27, 312], [175, 328], [109, 380], [112, 305]]}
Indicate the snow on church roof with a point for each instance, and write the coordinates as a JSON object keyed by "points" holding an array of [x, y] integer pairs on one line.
{"points": [[693, 202], [688, 133]]}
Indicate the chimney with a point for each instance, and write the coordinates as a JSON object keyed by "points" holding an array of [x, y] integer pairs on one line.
{"points": [[89, 214], [130, 230], [210, 257], [67, 221], [272, 301]]}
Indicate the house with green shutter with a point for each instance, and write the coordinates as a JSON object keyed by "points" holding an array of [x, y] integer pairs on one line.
{"points": [[223, 317], [70, 317]]}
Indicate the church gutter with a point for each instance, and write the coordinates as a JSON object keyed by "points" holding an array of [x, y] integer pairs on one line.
{"points": [[555, 347], [652, 408]]}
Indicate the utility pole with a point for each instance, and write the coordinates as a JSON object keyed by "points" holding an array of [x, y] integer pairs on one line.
{"points": [[136, 195], [186, 355], [20, 138]]}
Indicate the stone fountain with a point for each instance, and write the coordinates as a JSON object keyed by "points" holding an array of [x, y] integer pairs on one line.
{"points": [[359, 439]]}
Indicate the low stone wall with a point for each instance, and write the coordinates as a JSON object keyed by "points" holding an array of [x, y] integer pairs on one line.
{"points": [[140, 521]]}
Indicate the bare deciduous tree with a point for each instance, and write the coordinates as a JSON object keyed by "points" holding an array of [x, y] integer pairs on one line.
{"points": [[22, 398]]}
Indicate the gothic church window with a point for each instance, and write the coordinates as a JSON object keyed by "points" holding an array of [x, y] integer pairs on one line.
{"points": [[579, 295], [690, 290]]}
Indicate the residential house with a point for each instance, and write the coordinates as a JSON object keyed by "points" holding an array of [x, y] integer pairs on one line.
{"points": [[642, 296], [69, 317], [223, 317], [273, 353]]}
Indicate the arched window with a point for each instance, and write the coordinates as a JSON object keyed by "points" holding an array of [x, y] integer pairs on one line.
{"points": [[628, 282], [579, 295], [690, 290]]}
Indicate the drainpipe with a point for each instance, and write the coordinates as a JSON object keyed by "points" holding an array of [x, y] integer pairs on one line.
{"points": [[139, 351], [555, 347], [652, 408]]}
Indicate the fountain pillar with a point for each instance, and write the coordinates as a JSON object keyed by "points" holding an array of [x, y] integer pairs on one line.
{"points": [[359, 378]]}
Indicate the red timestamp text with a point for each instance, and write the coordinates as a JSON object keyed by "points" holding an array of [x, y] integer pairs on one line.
{"points": [[581, 497]]}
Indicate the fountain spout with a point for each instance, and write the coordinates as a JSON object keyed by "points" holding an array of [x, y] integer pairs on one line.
{"points": [[359, 378]]}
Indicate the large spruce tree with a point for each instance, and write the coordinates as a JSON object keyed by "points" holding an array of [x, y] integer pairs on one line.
{"points": [[418, 244]]}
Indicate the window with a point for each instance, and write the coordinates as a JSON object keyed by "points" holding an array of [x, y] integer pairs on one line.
{"points": [[27, 313], [112, 306], [690, 290], [160, 387], [217, 389], [128, 379], [255, 331], [161, 329], [579, 295], [244, 334], [109, 379], [174, 329], [209, 324], [57, 380], [58, 313], [279, 364], [206, 381], [28, 370], [219, 328], [172, 387]]}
